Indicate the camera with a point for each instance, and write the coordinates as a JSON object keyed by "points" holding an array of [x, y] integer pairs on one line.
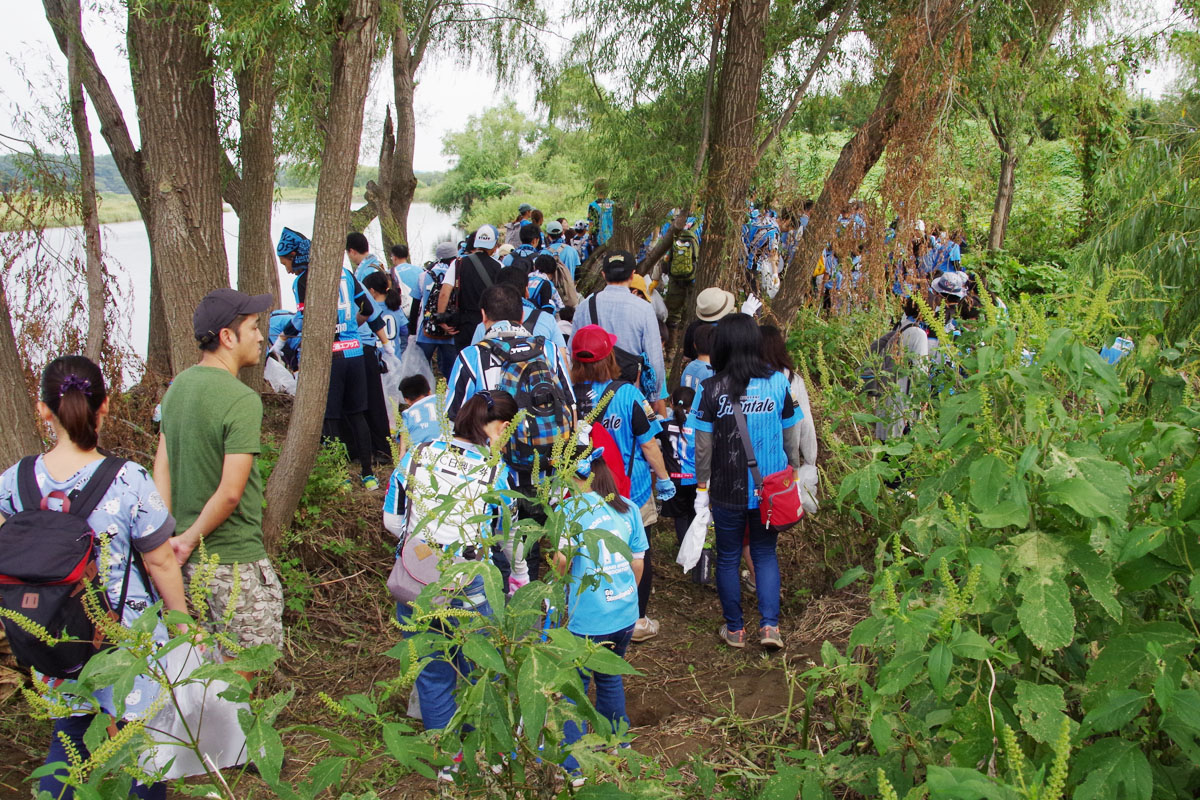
{"points": [[443, 318]]}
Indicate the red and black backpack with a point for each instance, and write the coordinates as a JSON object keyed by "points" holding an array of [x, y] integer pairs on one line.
{"points": [[49, 560]]}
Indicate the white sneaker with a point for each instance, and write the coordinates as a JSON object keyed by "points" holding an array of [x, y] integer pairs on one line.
{"points": [[645, 628]]}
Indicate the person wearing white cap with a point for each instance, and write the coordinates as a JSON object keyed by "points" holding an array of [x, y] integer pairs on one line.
{"points": [[472, 275]]}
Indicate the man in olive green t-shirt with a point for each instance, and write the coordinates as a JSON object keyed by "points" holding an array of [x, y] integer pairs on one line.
{"points": [[206, 467]]}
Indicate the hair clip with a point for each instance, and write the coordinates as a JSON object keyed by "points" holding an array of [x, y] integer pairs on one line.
{"points": [[75, 382], [487, 395]]}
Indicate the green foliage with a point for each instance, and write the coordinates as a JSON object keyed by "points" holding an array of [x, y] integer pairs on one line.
{"points": [[503, 159], [1035, 599]]}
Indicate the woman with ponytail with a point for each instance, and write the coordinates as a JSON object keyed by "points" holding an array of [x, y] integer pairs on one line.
{"points": [[604, 610], [134, 525]]}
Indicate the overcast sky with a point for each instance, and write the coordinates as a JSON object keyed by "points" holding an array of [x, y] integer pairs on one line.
{"points": [[446, 94]]}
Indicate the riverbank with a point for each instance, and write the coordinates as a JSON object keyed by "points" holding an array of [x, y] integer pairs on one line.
{"points": [[23, 216], [116, 207]]}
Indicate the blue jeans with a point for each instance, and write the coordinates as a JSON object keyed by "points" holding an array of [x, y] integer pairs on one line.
{"points": [[74, 728], [446, 354], [730, 526], [438, 679], [610, 692]]}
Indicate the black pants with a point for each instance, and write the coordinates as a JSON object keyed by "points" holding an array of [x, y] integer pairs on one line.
{"points": [[377, 419], [646, 582], [345, 406]]}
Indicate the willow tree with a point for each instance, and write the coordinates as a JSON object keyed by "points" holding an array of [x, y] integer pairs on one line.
{"points": [[505, 34], [340, 121]]}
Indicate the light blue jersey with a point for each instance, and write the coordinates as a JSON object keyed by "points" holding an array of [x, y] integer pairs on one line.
{"points": [[369, 264], [421, 420], [630, 421], [565, 253], [695, 373], [611, 605]]}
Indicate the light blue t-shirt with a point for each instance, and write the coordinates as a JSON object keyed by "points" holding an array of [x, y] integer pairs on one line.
{"points": [[695, 373], [410, 275], [421, 420], [565, 253], [611, 605], [368, 265], [395, 327], [130, 516]]}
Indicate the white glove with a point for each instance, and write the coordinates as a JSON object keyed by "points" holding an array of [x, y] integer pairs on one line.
{"points": [[751, 305], [277, 348], [390, 349], [583, 434], [701, 502]]}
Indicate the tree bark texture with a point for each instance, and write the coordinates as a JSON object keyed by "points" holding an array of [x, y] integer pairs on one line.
{"points": [[182, 157], [256, 257], [733, 147], [93, 263], [1002, 208], [351, 73], [18, 431], [914, 66], [403, 180]]}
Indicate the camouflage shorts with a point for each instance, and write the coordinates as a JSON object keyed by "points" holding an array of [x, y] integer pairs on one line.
{"points": [[257, 617]]}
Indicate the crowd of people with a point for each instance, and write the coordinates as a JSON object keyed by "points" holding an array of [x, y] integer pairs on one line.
{"points": [[527, 365]]}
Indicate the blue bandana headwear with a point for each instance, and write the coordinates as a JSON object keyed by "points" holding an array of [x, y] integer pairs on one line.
{"points": [[584, 467], [291, 241]]}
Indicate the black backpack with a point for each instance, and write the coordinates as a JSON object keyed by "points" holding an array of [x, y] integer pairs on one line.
{"points": [[523, 262], [429, 313], [630, 364], [879, 370], [48, 564]]}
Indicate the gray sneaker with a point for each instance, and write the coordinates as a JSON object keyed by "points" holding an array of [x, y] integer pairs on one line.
{"points": [[768, 637], [735, 639]]}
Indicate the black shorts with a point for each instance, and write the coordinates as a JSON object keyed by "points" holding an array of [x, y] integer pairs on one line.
{"points": [[347, 386]]}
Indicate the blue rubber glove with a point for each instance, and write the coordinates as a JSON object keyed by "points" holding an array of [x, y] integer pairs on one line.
{"points": [[664, 489]]}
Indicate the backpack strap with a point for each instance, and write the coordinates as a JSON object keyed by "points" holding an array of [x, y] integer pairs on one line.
{"points": [[477, 262], [593, 311], [27, 487], [533, 318], [91, 495], [747, 445], [413, 464]]}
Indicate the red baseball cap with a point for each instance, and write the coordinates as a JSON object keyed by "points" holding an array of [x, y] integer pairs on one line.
{"points": [[592, 343]]}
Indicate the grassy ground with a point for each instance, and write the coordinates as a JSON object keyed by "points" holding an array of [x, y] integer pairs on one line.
{"points": [[22, 216]]}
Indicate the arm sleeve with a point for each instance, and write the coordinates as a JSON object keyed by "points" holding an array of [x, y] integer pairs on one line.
{"points": [[703, 412], [703, 456], [8, 492], [638, 542], [788, 416], [243, 426], [791, 445], [150, 524], [652, 344], [808, 428], [462, 384], [639, 418]]}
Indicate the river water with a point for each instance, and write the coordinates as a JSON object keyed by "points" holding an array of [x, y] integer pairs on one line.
{"points": [[127, 252]]}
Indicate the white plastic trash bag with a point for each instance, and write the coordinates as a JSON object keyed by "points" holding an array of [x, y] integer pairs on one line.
{"points": [[391, 385], [693, 541], [808, 479], [279, 376], [413, 362], [197, 726]]}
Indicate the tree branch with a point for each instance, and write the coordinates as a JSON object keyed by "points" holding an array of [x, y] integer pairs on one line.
{"points": [[818, 61]]}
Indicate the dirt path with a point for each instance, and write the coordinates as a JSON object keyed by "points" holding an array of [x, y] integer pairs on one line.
{"points": [[695, 695]]}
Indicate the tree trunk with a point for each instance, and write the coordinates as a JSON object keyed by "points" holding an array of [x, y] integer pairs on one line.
{"points": [[351, 74], [18, 433], [182, 156], [256, 257], [158, 346], [914, 66], [404, 181], [94, 266], [733, 147], [1002, 208]]}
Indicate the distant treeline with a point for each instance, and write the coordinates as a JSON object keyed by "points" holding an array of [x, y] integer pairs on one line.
{"points": [[18, 169]]}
